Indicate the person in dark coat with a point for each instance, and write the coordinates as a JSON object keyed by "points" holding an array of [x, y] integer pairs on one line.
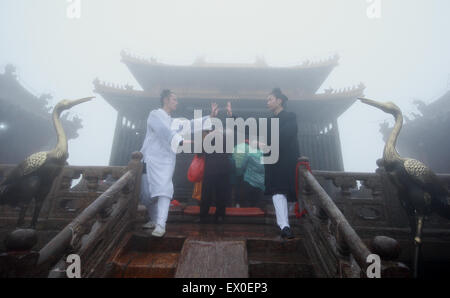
{"points": [[216, 182], [280, 176]]}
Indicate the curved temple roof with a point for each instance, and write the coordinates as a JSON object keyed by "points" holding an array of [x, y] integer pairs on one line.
{"points": [[328, 105], [230, 80]]}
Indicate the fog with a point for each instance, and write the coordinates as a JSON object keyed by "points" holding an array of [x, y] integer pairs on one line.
{"points": [[401, 56]]}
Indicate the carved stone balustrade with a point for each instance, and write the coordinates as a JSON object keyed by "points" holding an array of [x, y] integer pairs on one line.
{"points": [[369, 201], [330, 224], [97, 229], [72, 191], [370, 204]]}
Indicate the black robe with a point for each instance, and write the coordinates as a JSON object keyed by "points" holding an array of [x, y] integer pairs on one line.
{"points": [[280, 176], [216, 181]]}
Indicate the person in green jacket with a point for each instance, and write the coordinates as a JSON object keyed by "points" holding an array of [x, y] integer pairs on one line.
{"points": [[247, 158]]}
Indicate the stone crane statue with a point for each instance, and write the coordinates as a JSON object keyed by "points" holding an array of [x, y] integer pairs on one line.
{"points": [[33, 177], [419, 189]]}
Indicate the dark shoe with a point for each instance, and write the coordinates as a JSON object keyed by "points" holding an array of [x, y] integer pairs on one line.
{"points": [[287, 233], [219, 220]]}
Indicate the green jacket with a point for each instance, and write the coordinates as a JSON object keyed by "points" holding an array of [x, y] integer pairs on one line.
{"points": [[249, 165]]}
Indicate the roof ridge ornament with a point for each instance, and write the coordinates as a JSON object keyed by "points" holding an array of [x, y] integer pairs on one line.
{"points": [[259, 61], [104, 84], [355, 90], [200, 60], [127, 55], [331, 61], [10, 70], [329, 90]]}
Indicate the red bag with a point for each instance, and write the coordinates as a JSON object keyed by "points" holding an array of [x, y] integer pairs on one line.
{"points": [[196, 169]]}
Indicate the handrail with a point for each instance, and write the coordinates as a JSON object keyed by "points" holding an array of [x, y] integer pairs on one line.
{"points": [[341, 174], [361, 174], [56, 247], [356, 246]]}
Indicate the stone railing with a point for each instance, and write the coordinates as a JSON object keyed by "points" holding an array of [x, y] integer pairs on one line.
{"points": [[95, 232], [369, 202], [96, 229], [65, 200], [332, 240]]}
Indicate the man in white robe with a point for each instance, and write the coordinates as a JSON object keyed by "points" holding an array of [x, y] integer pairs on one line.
{"points": [[159, 151]]}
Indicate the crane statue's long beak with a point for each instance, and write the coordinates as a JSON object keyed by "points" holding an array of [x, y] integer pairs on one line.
{"points": [[371, 102], [78, 101], [387, 107]]}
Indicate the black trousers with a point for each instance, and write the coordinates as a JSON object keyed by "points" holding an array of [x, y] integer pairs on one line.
{"points": [[250, 196], [215, 188]]}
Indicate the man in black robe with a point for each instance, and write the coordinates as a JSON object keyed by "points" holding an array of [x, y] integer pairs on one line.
{"points": [[280, 176]]}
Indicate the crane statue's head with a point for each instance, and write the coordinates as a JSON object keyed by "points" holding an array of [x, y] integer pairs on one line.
{"points": [[387, 107], [66, 104]]}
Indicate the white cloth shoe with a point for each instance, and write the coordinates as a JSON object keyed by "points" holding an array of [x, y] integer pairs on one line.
{"points": [[149, 225], [159, 231]]}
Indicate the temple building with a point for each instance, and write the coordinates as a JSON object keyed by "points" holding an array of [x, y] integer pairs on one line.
{"points": [[426, 136], [247, 87], [25, 120]]}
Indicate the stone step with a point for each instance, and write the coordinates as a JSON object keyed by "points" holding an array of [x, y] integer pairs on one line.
{"points": [[211, 250], [142, 256], [221, 231], [145, 265], [277, 246], [188, 213], [213, 259], [277, 258], [229, 211], [265, 268]]}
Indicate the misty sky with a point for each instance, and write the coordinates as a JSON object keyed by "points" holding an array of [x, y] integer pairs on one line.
{"points": [[402, 56]]}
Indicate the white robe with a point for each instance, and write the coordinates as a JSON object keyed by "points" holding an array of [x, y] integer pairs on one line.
{"points": [[159, 154]]}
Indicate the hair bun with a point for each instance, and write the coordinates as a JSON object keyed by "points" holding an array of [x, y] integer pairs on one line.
{"points": [[278, 94]]}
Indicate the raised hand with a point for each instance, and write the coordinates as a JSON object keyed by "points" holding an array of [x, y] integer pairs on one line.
{"points": [[214, 109], [262, 146], [229, 109]]}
